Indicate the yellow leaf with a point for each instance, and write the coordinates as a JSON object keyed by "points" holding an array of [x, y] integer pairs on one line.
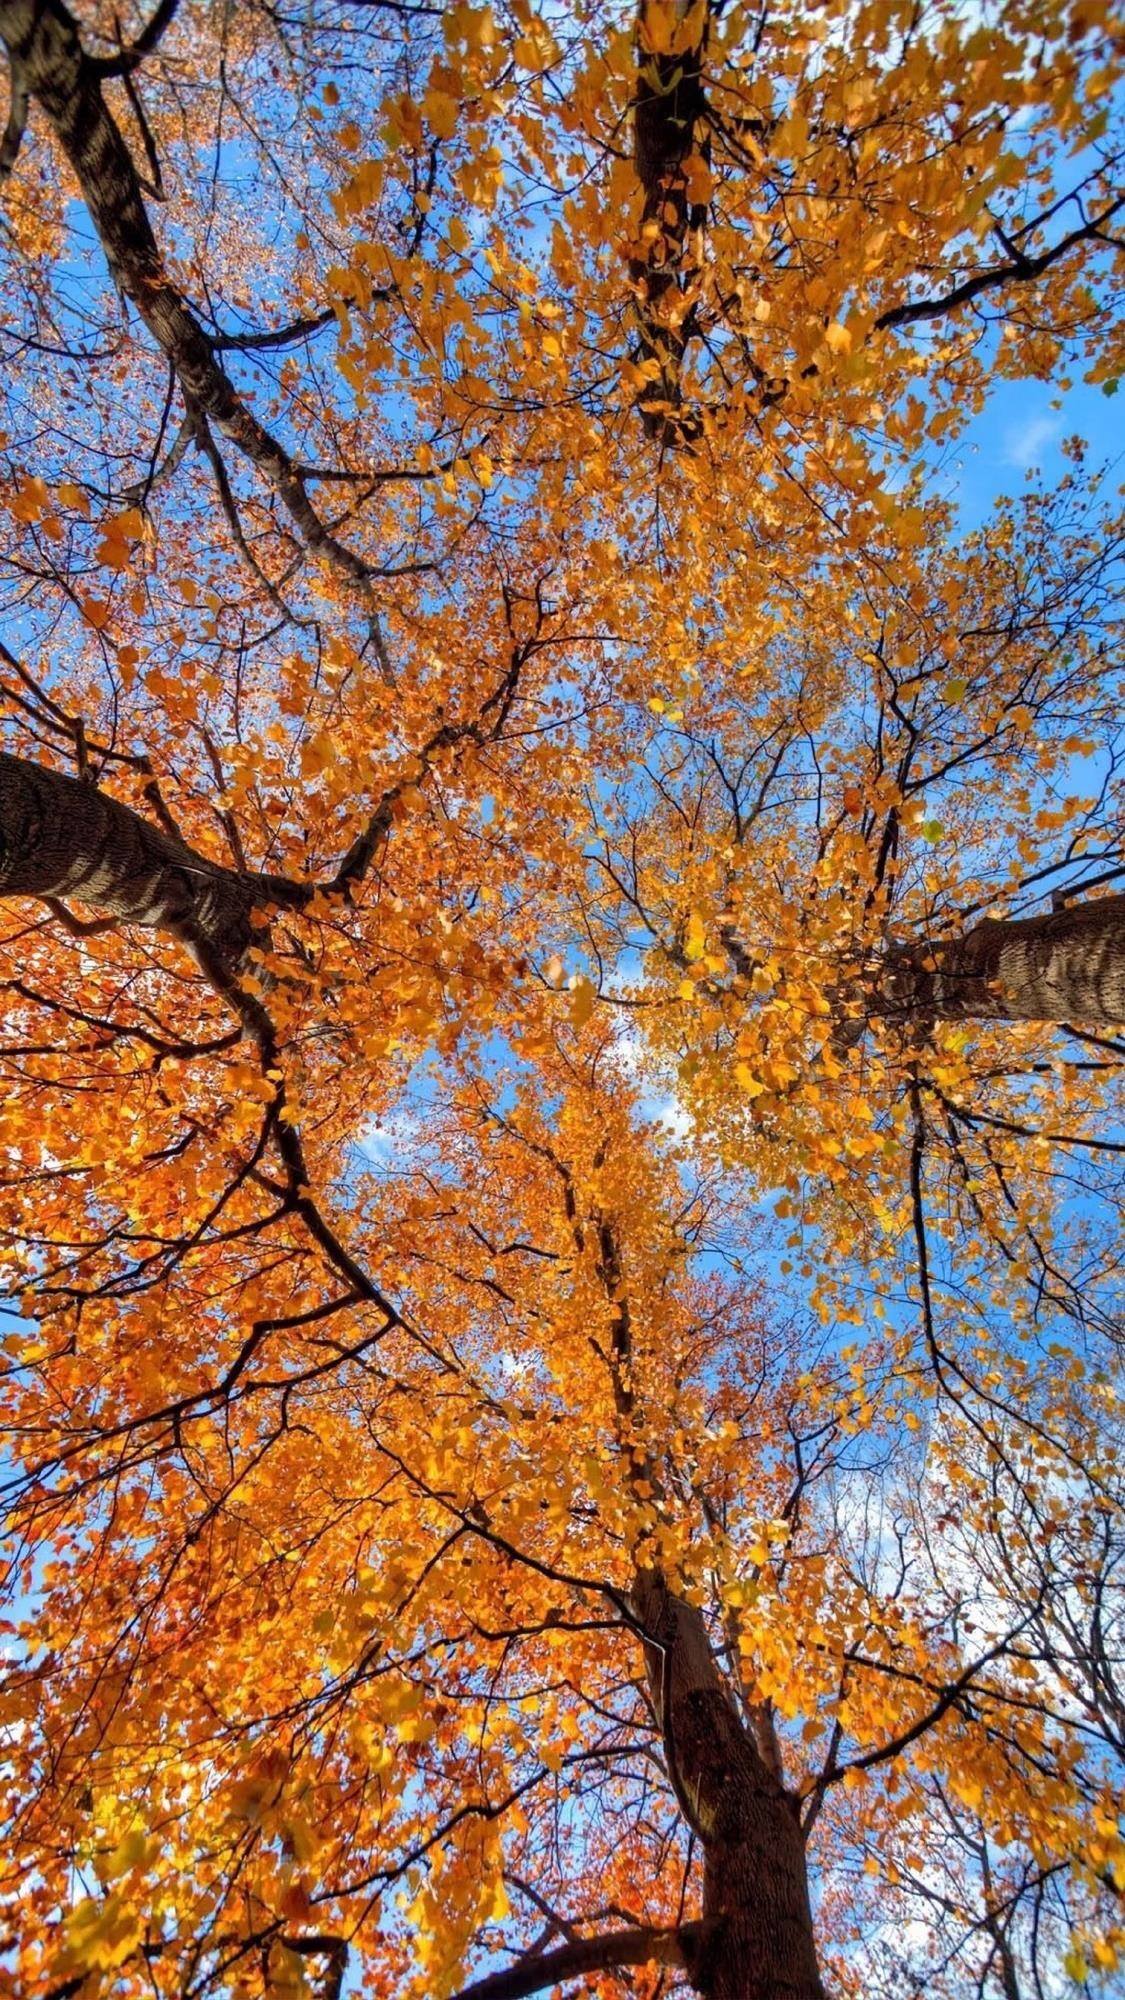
{"points": [[70, 495], [582, 1002], [441, 113], [128, 526], [133, 1850], [695, 938], [497, 1905], [101, 1935], [95, 611], [112, 554], [31, 501]]}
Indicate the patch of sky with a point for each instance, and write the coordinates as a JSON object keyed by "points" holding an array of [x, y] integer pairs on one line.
{"points": [[1018, 440]]}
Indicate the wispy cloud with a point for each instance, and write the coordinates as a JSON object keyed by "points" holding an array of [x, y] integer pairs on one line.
{"points": [[385, 1140], [1025, 444]]}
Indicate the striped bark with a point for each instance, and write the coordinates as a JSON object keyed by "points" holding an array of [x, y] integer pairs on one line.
{"points": [[63, 839]]}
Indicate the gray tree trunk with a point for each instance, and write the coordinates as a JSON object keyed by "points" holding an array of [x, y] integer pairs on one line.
{"points": [[757, 1936], [1067, 965], [63, 839]]}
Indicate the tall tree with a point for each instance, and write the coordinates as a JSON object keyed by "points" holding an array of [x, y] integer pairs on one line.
{"points": [[562, 942]]}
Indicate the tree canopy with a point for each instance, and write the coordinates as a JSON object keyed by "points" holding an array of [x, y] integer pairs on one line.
{"points": [[563, 953]]}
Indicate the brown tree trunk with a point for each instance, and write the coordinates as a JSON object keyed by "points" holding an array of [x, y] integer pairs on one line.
{"points": [[757, 1937], [1068, 965], [669, 107], [61, 838]]}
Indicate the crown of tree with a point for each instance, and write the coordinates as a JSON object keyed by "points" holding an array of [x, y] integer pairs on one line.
{"points": [[563, 954]]}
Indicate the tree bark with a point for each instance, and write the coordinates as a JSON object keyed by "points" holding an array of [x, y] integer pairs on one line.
{"points": [[63, 838], [756, 1941], [540, 1969], [1068, 965], [669, 108]]}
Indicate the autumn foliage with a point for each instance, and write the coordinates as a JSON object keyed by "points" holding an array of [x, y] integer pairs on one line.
{"points": [[563, 956]]}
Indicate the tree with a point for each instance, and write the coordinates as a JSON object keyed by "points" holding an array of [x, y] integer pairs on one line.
{"points": [[561, 1423]]}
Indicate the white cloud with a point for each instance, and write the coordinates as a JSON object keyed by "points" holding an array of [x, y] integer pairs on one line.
{"points": [[1024, 444], [385, 1140]]}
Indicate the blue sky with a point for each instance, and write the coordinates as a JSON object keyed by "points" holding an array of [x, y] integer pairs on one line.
{"points": [[1019, 433]]}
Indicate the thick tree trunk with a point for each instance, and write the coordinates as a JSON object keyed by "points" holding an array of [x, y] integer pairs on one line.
{"points": [[61, 838], [1068, 965], [669, 108], [757, 1939]]}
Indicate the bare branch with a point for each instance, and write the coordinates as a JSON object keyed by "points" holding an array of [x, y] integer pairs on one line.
{"points": [[1020, 269], [593, 1954]]}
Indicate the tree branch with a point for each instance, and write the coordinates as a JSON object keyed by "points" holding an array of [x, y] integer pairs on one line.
{"points": [[648, 1946], [63, 838], [45, 48], [282, 336], [128, 59], [1019, 270]]}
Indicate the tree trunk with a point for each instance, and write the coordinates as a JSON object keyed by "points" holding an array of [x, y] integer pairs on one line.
{"points": [[1068, 965], [63, 838], [757, 1936], [669, 130]]}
